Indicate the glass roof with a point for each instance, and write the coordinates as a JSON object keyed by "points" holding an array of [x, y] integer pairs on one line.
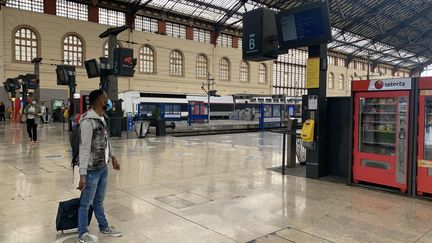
{"points": [[211, 10], [399, 49]]}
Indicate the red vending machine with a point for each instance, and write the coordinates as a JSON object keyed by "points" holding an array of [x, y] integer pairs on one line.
{"points": [[381, 132], [424, 150]]}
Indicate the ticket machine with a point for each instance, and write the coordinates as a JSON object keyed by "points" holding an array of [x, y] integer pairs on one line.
{"points": [[382, 125], [424, 151]]}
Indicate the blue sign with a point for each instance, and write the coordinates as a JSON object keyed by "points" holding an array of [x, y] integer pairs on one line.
{"points": [[291, 111], [129, 121]]}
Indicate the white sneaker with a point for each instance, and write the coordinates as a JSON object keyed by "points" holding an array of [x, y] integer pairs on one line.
{"points": [[111, 231], [87, 238]]}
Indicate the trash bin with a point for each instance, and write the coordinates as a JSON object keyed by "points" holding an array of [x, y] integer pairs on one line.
{"points": [[141, 128], [114, 127], [160, 127]]}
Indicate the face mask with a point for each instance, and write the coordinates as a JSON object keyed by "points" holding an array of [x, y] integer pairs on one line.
{"points": [[108, 105], [34, 102]]}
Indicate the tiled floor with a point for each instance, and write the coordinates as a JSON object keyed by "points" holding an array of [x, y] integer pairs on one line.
{"points": [[197, 189]]}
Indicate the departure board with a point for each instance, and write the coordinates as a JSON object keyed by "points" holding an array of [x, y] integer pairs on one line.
{"points": [[304, 26]]}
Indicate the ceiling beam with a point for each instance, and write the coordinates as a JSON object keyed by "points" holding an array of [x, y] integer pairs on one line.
{"points": [[221, 22]]}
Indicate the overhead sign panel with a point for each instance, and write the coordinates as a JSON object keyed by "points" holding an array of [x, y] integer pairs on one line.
{"points": [[304, 26], [260, 42]]}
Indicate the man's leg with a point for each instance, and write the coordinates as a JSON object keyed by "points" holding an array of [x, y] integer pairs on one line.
{"points": [[98, 208], [98, 201], [87, 196]]}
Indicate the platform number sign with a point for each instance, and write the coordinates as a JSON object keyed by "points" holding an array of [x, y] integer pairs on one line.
{"points": [[251, 45], [259, 28]]}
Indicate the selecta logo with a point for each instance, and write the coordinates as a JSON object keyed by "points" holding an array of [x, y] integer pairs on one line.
{"points": [[379, 84], [390, 84]]}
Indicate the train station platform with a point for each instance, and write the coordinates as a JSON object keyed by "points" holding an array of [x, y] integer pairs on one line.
{"points": [[215, 188], [214, 127]]}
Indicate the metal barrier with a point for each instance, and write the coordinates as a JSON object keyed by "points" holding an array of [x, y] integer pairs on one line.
{"points": [[292, 146]]}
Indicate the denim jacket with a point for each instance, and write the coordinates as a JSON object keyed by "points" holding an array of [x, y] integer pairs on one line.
{"points": [[94, 142]]}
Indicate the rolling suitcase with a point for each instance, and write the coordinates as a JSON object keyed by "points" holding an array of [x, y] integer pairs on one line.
{"points": [[67, 215]]}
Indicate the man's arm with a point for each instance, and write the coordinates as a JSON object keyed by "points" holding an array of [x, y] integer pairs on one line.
{"points": [[85, 147], [111, 151], [115, 163]]}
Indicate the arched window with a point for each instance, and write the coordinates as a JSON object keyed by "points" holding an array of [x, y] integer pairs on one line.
{"points": [[341, 82], [26, 45], [201, 66], [106, 49], [147, 59], [176, 63], [331, 81], [224, 69], [244, 72], [73, 50], [262, 70]]}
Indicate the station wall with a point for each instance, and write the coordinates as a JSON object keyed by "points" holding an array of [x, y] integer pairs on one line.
{"points": [[349, 74], [51, 29]]}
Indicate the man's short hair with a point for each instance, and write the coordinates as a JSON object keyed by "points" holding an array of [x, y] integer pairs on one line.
{"points": [[94, 95]]}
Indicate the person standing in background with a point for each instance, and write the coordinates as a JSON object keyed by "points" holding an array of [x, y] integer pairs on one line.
{"points": [[32, 113], [43, 111], [2, 112]]}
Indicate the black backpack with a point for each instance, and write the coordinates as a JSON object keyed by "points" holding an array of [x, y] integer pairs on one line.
{"points": [[75, 142]]}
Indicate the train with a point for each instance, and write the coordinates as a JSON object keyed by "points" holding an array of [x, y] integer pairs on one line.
{"points": [[220, 106]]}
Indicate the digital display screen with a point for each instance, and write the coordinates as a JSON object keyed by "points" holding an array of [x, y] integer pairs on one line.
{"points": [[304, 26], [92, 68], [61, 76], [32, 81]]}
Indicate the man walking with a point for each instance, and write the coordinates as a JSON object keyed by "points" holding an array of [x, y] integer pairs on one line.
{"points": [[95, 154]]}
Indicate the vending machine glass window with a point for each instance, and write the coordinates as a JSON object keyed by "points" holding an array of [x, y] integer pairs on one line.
{"points": [[378, 125], [428, 129]]}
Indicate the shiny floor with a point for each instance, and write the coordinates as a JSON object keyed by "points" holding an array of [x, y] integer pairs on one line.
{"points": [[197, 189]]}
